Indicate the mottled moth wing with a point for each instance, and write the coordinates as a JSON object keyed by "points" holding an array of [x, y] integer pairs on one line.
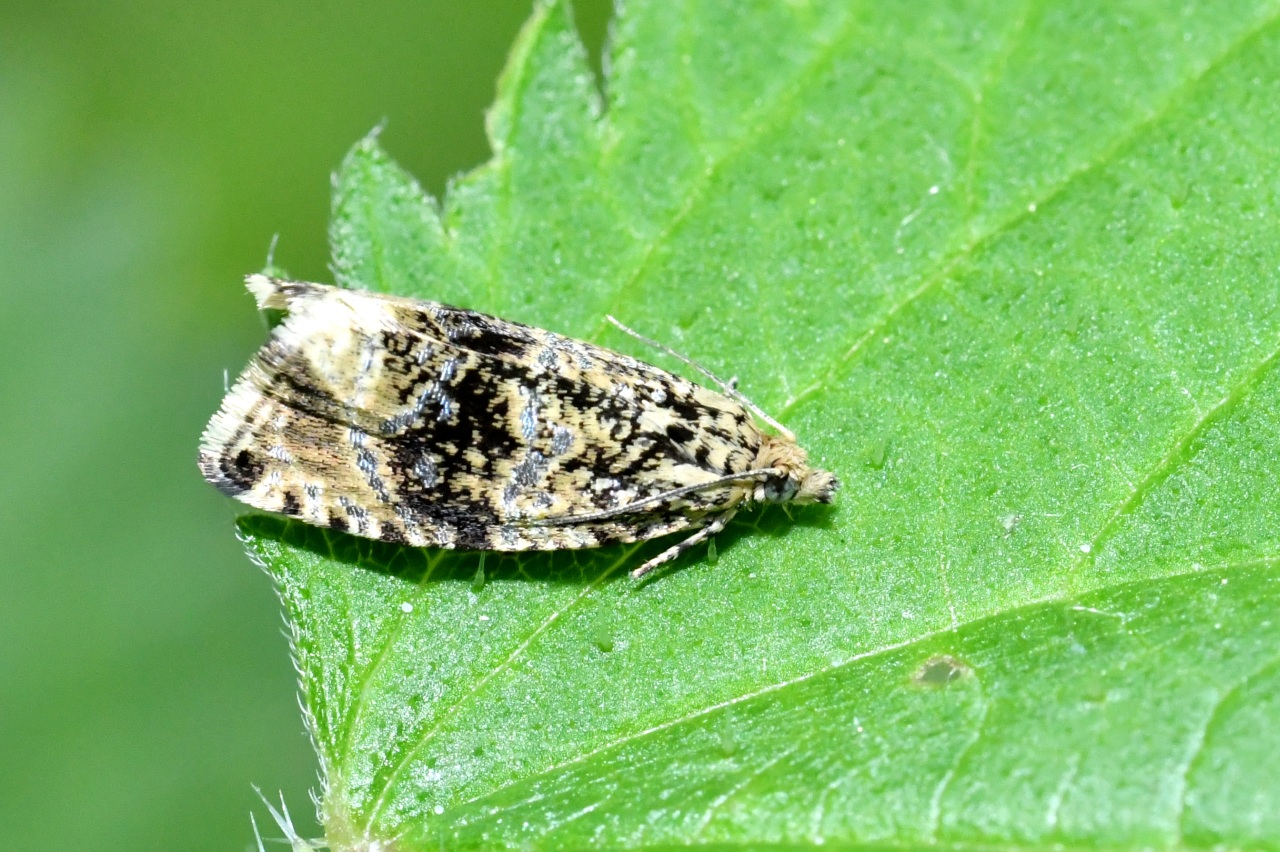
{"points": [[416, 422]]}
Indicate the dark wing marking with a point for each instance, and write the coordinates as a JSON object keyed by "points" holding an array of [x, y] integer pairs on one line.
{"points": [[433, 425]]}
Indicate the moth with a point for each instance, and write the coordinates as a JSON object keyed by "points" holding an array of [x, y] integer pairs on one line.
{"points": [[432, 426]]}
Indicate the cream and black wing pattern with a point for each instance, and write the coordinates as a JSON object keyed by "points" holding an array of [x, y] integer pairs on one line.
{"points": [[419, 423]]}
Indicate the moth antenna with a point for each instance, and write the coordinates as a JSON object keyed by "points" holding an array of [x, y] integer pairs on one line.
{"points": [[655, 498], [728, 387], [271, 251]]}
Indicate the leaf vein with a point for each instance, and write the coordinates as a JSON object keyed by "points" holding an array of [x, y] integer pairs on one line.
{"points": [[1198, 742], [624, 739], [944, 783], [449, 712], [363, 685], [725, 797], [1013, 40], [931, 280], [1179, 453], [768, 118]]}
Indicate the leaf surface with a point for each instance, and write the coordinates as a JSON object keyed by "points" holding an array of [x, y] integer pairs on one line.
{"points": [[1011, 271]]}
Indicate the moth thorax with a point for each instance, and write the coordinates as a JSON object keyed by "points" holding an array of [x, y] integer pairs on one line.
{"points": [[793, 481]]}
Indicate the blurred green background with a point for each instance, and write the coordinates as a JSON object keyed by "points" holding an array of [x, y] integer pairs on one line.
{"points": [[149, 151]]}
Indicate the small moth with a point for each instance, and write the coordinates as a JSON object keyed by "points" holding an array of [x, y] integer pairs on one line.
{"points": [[433, 426]]}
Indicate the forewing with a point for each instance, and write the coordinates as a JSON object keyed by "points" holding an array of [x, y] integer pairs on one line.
{"points": [[416, 422]]}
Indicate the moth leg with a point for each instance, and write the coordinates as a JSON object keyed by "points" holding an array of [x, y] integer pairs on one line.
{"points": [[716, 525]]}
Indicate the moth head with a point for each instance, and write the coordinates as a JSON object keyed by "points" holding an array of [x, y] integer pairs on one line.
{"points": [[792, 480], [817, 486]]}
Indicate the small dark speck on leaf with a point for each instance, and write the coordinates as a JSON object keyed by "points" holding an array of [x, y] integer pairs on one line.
{"points": [[941, 670]]}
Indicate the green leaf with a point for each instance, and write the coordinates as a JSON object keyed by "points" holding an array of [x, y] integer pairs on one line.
{"points": [[1011, 271]]}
